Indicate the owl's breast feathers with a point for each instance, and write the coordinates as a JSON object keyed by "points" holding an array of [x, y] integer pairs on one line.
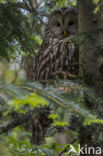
{"points": [[54, 55]]}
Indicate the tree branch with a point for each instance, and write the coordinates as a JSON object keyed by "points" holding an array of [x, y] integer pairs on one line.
{"points": [[19, 5], [66, 149], [14, 122]]}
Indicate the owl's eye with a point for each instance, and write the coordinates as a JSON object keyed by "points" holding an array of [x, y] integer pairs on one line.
{"points": [[71, 23], [58, 24]]}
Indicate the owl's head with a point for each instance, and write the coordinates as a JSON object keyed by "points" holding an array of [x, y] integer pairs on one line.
{"points": [[63, 22]]}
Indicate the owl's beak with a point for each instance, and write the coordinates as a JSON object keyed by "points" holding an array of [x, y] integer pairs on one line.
{"points": [[65, 34]]}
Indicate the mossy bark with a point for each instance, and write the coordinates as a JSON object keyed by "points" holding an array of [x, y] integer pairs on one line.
{"points": [[90, 50], [91, 53]]}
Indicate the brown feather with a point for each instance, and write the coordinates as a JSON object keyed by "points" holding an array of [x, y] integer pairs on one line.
{"points": [[54, 55]]}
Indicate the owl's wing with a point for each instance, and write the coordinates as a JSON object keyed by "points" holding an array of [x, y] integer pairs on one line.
{"points": [[55, 56], [49, 59], [41, 65]]}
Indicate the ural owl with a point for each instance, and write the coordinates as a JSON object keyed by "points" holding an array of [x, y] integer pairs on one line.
{"points": [[56, 55]]}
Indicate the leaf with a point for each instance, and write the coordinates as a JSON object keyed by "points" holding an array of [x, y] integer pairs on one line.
{"points": [[37, 39], [96, 9], [53, 116], [33, 100], [92, 121], [60, 123], [96, 1]]}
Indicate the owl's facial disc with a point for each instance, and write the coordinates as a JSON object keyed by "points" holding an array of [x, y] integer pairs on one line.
{"points": [[71, 24], [55, 24], [62, 25]]}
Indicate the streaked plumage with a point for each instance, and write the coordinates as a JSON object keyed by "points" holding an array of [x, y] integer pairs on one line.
{"points": [[54, 55]]}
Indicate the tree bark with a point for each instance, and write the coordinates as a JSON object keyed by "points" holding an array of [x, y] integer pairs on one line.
{"points": [[90, 61], [91, 53], [28, 61]]}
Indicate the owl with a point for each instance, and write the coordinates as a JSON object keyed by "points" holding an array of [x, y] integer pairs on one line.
{"points": [[54, 54]]}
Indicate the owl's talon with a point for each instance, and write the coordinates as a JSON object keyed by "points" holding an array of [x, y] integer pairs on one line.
{"points": [[65, 74]]}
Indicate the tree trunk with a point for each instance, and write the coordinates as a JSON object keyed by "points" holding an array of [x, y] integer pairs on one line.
{"points": [[28, 67], [90, 53], [90, 59], [100, 45]]}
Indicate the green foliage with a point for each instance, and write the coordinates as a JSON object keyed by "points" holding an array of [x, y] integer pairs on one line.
{"points": [[21, 28], [98, 5], [92, 121], [60, 124], [96, 9], [22, 146], [33, 100], [64, 103], [96, 1], [70, 101], [59, 3], [11, 76], [64, 97]]}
